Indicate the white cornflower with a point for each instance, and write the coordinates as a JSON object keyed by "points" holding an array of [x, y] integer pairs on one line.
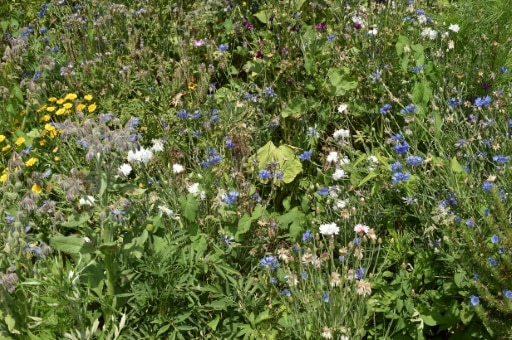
{"points": [[339, 174], [329, 229], [344, 161], [165, 210], [89, 200], [125, 169], [326, 333], [339, 204], [140, 156], [454, 28], [341, 134], [430, 33], [177, 168], [364, 288], [373, 159], [342, 108], [193, 189], [361, 228], [373, 31], [332, 157], [158, 145], [451, 45]]}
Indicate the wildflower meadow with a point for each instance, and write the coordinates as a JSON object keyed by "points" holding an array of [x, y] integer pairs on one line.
{"points": [[227, 169]]}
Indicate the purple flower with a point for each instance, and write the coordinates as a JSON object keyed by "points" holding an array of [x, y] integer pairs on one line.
{"points": [[321, 26], [411, 108]]}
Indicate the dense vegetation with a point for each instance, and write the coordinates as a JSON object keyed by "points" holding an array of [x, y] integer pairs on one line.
{"points": [[273, 169]]}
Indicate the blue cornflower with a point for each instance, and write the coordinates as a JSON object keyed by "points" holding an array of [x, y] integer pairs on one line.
{"points": [[183, 114], [476, 277], [487, 186], [396, 138], [356, 241], [483, 102], [501, 159], [342, 258], [507, 293], [401, 148], [229, 143], [474, 300], [26, 151], [256, 198], [420, 12], [250, 97], [331, 37], [308, 235], [454, 102], [504, 70], [37, 75], [9, 218], [400, 177], [223, 47], [305, 155], [269, 262], [211, 151], [279, 175], [273, 280], [231, 197], [417, 68], [269, 92], [325, 297], [286, 292], [396, 166], [414, 160], [411, 108], [264, 174], [470, 223], [196, 115], [226, 239], [495, 238], [492, 262], [304, 275], [360, 273], [503, 250], [375, 76], [383, 110], [323, 191]]}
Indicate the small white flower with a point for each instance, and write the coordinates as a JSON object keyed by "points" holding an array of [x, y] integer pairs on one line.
{"points": [[125, 169], [89, 200], [177, 168], [342, 108], [165, 210], [329, 229], [373, 159], [454, 28], [344, 161], [422, 19], [430, 33], [332, 157], [451, 45], [341, 134], [86, 239], [158, 145], [339, 204], [339, 174], [140, 156], [193, 188], [373, 31]]}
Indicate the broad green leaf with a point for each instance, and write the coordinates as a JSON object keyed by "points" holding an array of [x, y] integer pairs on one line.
{"points": [[189, 207], [400, 45], [339, 81], [295, 108], [263, 16], [11, 323], [76, 220], [455, 165], [244, 224], [73, 245], [285, 158], [213, 324], [18, 94], [108, 247], [368, 177]]}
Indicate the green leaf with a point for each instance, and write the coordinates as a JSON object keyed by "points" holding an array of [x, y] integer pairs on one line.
{"points": [[189, 207], [368, 177], [244, 224], [18, 94], [73, 245], [263, 16], [103, 184], [213, 324], [11, 323], [295, 108], [339, 82], [284, 155], [455, 165], [76, 220], [108, 247]]}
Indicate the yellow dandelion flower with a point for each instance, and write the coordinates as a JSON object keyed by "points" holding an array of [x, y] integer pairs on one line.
{"points": [[60, 101], [31, 162], [22, 113], [91, 108], [19, 141], [57, 159], [6, 148], [42, 142], [56, 149], [70, 96], [42, 108], [50, 108], [52, 99], [51, 129], [37, 189], [80, 107], [192, 86], [45, 118], [4, 176], [67, 106], [88, 97], [2, 138], [60, 111]]}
